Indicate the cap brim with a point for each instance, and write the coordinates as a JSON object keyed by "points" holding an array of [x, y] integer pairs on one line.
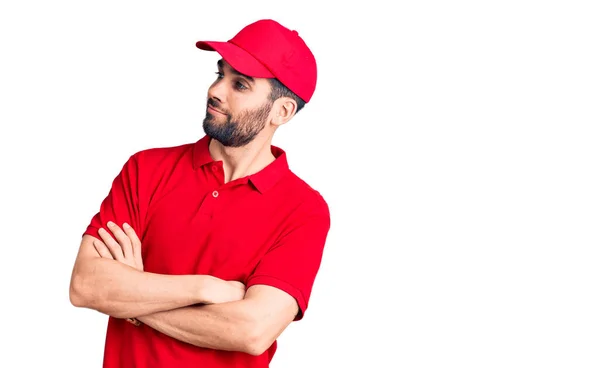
{"points": [[238, 58]]}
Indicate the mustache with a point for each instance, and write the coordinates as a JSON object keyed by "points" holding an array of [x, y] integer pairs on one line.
{"points": [[216, 104]]}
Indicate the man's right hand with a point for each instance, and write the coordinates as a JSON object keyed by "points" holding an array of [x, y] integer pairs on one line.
{"points": [[127, 249], [215, 290]]}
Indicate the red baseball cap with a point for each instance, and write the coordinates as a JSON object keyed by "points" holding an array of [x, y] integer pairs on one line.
{"points": [[266, 49]]}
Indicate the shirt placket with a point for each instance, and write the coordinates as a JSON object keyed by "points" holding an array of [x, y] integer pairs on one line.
{"points": [[214, 197]]}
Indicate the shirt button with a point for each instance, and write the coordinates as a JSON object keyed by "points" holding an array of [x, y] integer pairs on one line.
{"points": [[215, 194], [214, 168]]}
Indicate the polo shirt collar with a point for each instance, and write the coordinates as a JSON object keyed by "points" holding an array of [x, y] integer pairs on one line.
{"points": [[262, 180], [201, 154]]}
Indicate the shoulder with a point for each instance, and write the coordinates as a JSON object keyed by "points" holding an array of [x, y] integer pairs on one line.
{"points": [[152, 159], [310, 200], [151, 164], [156, 155]]}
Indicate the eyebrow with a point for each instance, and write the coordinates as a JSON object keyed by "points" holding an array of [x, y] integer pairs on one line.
{"points": [[221, 65]]}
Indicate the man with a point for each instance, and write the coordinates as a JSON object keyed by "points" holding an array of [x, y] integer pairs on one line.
{"points": [[203, 253]]}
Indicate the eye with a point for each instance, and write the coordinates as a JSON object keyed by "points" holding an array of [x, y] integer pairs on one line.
{"points": [[219, 75], [240, 86]]}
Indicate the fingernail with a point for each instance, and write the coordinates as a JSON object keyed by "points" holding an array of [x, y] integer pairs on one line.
{"points": [[126, 225], [110, 223]]}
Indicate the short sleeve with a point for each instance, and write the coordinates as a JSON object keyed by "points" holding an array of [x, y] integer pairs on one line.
{"points": [[122, 202], [292, 263]]}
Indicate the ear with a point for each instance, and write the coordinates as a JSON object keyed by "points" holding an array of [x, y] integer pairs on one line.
{"points": [[284, 109]]}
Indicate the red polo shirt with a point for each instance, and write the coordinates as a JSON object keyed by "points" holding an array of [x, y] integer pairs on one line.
{"points": [[267, 228]]}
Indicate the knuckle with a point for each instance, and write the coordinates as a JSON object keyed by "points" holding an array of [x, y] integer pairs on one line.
{"points": [[123, 240], [113, 245]]}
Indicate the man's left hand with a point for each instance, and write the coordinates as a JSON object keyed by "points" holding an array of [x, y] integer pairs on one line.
{"points": [[126, 249]]}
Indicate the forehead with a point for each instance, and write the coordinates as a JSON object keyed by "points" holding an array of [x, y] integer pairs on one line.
{"points": [[258, 82], [226, 67]]}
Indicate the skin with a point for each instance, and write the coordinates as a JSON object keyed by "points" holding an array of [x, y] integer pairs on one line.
{"points": [[108, 275], [237, 94], [241, 127]]}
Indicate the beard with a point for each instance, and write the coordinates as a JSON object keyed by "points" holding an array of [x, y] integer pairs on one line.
{"points": [[238, 130]]}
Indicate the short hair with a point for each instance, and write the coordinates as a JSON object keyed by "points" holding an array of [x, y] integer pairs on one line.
{"points": [[278, 90]]}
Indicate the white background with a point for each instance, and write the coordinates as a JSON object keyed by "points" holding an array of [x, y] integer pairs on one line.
{"points": [[456, 143]]}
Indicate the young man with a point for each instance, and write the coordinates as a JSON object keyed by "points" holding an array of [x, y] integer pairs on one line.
{"points": [[203, 253]]}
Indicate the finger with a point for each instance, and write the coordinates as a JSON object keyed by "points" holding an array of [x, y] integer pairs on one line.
{"points": [[111, 244], [122, 239], [102, 249], [136, 244]]}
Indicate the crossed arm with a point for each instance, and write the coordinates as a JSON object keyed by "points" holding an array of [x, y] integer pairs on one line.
{"points": [[201, 310]]}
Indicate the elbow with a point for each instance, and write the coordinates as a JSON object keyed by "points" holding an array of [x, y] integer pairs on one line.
{"points": [[76, 295], [80, 294], [75, 298], [254, 350], [256, 341]]}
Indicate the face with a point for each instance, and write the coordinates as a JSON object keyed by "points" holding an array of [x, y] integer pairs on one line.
{"points": [[238, 107]]}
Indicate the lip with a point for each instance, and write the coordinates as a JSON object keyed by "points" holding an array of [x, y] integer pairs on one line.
{"points": [[212, 109]]}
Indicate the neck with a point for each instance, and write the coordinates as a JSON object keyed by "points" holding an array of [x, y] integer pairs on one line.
{"points": [[239, 162]]}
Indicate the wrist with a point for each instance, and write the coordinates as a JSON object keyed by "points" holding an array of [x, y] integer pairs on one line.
{"points": [[203, 288]]}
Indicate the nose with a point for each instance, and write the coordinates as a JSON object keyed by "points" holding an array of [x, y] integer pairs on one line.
{"points": [[217, 91]]}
